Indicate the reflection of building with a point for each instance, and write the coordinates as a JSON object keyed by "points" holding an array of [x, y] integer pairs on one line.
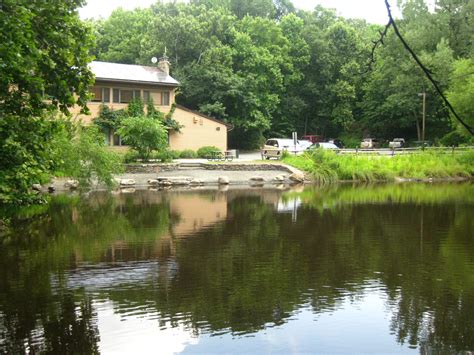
{"points": [[155, 221], [190, 214], [196, 212]]}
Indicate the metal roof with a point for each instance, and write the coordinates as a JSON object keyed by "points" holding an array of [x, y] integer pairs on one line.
{"points": [[131, 73]]}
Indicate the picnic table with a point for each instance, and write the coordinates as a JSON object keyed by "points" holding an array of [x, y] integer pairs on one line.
{"points": [[228, 155]]}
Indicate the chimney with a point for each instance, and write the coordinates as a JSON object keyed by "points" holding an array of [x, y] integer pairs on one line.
{"points": [[164, 64]]}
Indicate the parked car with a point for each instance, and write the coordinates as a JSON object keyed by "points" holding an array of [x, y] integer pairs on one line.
{"points": [[337, 142], [324, 145], [369, 143], [305, 144], [274, 147], [397, 143]]}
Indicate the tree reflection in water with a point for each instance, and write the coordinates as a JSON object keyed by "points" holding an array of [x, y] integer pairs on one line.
{"points": [[238, 262]]}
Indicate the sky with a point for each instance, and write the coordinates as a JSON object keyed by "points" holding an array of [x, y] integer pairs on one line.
{"points": [[373, 11]]}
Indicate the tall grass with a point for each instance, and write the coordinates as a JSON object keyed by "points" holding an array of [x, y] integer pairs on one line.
{"points": [[327, 166]]}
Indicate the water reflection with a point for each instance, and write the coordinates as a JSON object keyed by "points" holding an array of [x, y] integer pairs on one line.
{"points": [[392, 266]]}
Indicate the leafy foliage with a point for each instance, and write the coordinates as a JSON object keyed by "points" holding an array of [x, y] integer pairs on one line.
{"points": [[270, 71], [44, 60], [143, 134], [188, 154], [207, 151], [45, 52], [461, 91], [109, 119], [26, 148], [80, 152]]}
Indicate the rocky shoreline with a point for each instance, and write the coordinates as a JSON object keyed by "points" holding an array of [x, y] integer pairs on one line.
{"points": [[178, 175], [194, 175]]}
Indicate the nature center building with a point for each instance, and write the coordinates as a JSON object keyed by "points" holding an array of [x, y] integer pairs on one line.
{"points": [[116, 85]]}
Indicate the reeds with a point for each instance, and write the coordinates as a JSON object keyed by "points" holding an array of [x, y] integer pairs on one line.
{"points": [[327, 166]]}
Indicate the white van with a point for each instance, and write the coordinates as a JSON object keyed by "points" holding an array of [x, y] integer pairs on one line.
{"points": [[274, 148]]}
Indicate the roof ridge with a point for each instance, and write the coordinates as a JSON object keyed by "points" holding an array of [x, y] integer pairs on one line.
{"points": [[229, 125], [135, 65], [131, 73]]}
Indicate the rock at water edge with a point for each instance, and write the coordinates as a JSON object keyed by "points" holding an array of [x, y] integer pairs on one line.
{"points": [[127, 182], [153, 182], [223, 180], [297, 177], [71, 184]]}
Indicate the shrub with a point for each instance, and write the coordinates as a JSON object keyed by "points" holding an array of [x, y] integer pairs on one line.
{"points": [[454, 139], [207, 151], [80, 152], [188, 154], [351, 141], [25, 159], [165, 156], [175, 154], [130, 156], [144, 135]]}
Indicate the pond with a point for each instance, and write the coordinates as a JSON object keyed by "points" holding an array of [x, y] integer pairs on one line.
{"points": [[382, 268]]}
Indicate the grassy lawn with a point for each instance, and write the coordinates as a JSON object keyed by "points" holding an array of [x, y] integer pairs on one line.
{"points": [[326, 166]]}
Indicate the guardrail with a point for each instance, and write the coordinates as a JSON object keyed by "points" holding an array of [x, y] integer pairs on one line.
{"points": [[401, 151], [378, 151]]}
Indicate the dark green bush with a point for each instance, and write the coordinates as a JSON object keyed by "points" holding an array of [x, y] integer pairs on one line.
{"points": [[130, 156], [175, 154], [454, 139], [188, 154], [164, 156], [207, 151]]}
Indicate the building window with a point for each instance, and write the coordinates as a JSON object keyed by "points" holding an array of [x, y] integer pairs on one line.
{"points": [[96, 94], [165, 98], [146, 96], [116, 96], [136, 94], [126, 96], [105, 94], [100, 94]]}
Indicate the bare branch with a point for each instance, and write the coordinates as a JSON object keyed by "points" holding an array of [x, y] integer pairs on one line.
{"points": [[374, 47], [425, 69]]}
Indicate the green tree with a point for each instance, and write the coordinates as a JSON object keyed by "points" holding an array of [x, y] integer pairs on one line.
{"points": [[119, 37], [80, 152], [143, 134], [45, 52], [461, 91], [43, 67]]}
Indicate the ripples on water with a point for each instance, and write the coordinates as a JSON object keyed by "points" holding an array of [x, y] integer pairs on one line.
{"points": [[377, 269]]}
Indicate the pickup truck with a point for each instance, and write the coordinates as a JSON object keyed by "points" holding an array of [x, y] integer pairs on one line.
{"points": [[397, 143]]}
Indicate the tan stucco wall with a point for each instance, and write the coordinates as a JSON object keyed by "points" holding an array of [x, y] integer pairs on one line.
{"points": [[198, 131]]}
